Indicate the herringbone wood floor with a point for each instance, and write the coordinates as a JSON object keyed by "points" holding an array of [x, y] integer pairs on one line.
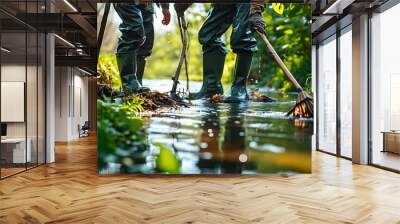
{"points": [[70, 191]]}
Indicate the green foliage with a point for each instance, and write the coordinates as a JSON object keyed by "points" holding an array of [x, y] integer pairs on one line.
{"points": [[133, 105], [107, 69], [290, 34], [278, 8], [121, 139], [166, 161]]}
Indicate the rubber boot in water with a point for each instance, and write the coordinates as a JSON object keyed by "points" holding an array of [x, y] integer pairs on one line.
{"points": [[213, 66], [127, 69], [242, 69]]}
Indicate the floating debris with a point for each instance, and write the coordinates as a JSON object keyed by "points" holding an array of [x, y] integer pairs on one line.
{"points": [[152, 100], [155, 100], [256, 96], [217, 98]]}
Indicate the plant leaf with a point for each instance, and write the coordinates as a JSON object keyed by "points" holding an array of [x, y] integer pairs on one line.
{"points": [[278, 8], [166, 161]]}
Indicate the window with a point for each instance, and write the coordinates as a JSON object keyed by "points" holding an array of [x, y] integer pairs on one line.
{"points": [[327, 96], [385, 89], [346, 93]]}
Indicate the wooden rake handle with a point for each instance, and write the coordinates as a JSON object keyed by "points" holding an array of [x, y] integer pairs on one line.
{"points": [[183, 27], [279, 61]]}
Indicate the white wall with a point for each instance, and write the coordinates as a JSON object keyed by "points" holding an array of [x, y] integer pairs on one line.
{"points": [[80, 110], [71, 102], [314, 89], [62, 81]]}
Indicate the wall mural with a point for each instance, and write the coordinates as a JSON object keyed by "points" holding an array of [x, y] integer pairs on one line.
{"points": [[204, 88]]}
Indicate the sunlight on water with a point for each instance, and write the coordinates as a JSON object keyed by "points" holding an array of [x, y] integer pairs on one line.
{"points": [[232, 138]]}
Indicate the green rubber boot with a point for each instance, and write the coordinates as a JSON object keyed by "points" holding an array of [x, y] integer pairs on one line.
{"points": [[242, 69], [127, 69], [213, 66], [141, 64]]}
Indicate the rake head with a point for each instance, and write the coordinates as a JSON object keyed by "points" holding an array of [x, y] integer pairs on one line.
{"points": [[304, 106]]}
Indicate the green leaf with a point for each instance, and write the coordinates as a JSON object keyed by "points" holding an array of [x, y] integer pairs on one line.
{"points": [[278, 8], [166, 161]]}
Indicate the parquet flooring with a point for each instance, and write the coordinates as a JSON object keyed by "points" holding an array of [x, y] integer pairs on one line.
{"points": [[70, 191]]}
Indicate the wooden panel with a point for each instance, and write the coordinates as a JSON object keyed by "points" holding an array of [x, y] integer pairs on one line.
{"points": [[392, 142], [92, 103]]}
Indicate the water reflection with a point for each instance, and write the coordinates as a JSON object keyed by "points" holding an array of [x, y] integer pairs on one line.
{"points": [[233, 138], [224, 134]]}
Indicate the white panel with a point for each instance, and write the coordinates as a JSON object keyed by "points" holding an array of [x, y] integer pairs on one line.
{"points": [[395, 102], [50, 93], [360, 90], [12, 101], [314, 88], [77, 102], [77, 112]]}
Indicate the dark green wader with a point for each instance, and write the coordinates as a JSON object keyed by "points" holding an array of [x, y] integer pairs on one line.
{"points": [[135, 43], [243, 43]]}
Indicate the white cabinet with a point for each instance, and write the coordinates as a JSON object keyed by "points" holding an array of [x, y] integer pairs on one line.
{"points": [[19, 155]]}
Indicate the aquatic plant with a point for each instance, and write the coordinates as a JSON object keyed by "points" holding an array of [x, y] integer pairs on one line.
{"points": [[166, 160], [121, 139], [133, 105]]}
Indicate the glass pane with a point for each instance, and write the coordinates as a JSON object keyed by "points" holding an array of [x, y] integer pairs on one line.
{"points": [[327, 96], [13, 86], [346, 94], [385, 84]]}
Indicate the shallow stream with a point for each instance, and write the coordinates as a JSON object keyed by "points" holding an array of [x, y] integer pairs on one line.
{"points": [[251, 137]]}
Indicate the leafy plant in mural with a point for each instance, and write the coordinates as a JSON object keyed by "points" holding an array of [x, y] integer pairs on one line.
{"points": [[166, 160], [288, 29], [121, 139], [107, 70], [123, 142]]}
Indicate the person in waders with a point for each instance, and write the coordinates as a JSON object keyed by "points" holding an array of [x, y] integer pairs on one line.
{"points": [[244, 17], [136, 41]]}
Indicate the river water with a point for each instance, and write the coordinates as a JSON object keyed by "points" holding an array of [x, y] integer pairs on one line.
{"points": [[249, 138]]}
